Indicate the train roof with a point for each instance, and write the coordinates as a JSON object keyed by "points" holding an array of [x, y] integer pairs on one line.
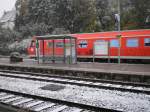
{"points": [[97, 35], [113, 34]]}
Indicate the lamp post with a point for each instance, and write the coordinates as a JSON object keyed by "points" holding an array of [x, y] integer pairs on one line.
{"points": [[119, 33]]}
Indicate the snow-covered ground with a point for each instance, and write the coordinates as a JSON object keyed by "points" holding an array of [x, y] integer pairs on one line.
{"points": [[124, 101]]}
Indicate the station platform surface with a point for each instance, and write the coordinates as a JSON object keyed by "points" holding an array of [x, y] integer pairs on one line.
{"points": [[138, 69]]}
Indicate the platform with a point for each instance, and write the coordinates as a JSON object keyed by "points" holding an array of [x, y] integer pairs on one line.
{"points": [[109, 71]]}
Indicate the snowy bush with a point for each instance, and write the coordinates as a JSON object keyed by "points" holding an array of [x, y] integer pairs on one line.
{"points": [[20, 47]]}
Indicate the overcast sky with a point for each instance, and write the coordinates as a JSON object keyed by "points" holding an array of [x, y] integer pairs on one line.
{"points": [[6, 5]]}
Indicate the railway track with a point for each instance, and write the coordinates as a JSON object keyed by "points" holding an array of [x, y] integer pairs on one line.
{"points": [[23, 102], [102, 84]]}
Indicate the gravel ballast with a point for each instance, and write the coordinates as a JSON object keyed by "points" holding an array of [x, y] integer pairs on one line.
{"points": [[123, 101]]}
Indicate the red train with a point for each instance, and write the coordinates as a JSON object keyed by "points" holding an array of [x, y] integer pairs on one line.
{"points": [[134, 45]]}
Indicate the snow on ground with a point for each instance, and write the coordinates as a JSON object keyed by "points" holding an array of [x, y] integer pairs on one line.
{"points": [[128, 102]]}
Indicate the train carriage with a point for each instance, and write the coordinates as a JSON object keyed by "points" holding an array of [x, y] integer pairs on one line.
{"points": [[134, 44]]}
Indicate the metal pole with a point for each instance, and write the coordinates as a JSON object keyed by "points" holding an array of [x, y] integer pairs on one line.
{"points": [[71, 50], [108, 52], [43, 53], [76, 58], [119, 33], [53, 51], [93, 52], [64, 41], [38, 51]]}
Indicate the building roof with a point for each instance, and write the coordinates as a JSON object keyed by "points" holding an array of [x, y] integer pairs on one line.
{"points": [[8, 16], [49, 37]]}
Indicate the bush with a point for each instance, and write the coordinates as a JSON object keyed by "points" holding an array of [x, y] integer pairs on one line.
{"points": [[7, 37], [15, 57], [20, 47]]}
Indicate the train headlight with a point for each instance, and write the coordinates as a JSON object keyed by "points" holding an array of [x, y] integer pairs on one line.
{"points": [[32, 50]]}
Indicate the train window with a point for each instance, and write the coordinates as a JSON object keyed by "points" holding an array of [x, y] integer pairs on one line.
{"points": [[50, 44], [59, 44], [132, 42], [83, 44], [32, 43], [114, 43], [147, 42]]}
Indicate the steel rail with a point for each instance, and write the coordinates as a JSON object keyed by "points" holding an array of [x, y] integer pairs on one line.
{"points": [[92, 84], [68, 103], [78, 78]]}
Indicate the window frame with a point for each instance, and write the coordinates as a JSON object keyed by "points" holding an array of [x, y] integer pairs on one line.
{"points": [[114, 46], [144, 41], [132, 39], [59, 45], [49, 44]]}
